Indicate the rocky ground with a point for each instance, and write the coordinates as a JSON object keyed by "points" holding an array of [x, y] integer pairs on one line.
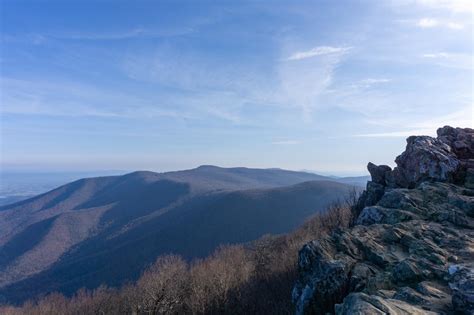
{"points": [[411, 249]]}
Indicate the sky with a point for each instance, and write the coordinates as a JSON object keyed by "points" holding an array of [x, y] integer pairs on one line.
{"points": [[163, 85]]}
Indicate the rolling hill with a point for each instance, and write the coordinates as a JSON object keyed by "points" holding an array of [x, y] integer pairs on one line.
{"points": [[107, 229]]}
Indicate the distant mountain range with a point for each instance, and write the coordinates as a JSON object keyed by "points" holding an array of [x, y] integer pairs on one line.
{"points": [[20, 185], [107, 229]]}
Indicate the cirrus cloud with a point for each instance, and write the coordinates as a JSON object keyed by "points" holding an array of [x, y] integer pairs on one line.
{"points": [[431, 23], [427, 23], [318, 51]]}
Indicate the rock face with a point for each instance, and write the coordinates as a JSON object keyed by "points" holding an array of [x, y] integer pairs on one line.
{"points": [[411, 249]]}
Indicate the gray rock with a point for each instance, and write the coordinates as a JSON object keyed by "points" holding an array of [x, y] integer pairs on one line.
{"points": [[327, 280], [363, 304], [410, 295], [414, 222], [371, 215], [425, 159], [374, 193], [406, 272], [379, 214], [469, 179], [378, 173], [462, 285], [459, 139]]}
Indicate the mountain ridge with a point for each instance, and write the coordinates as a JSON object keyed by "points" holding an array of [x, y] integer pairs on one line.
{"points": [[139, 215]]}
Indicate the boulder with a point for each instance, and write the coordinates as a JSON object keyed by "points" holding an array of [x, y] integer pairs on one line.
{"points": [[425, 159], [378, 173], [459, 139], [462, 285]]}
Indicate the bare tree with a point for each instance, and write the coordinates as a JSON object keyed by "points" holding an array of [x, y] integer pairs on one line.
{"points": [[162, 289], [214, 278]]}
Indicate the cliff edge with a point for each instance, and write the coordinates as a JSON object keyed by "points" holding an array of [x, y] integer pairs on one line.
{"points": [[411, 249]]}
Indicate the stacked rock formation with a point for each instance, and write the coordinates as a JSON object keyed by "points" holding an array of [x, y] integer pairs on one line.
{"points": [[411, 249]]}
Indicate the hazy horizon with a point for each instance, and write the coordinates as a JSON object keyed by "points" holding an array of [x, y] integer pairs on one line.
{"points": [[91, 85], [104, 172], [17, 185]]}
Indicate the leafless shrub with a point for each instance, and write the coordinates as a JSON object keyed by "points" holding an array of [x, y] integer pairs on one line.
{"points": [[52, 304], [213, 278], [338, 214], [163, 288], [9, 310], [102, 300]]}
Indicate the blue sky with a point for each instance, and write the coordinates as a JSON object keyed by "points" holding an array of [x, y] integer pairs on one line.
{"points": [[163, 85]]}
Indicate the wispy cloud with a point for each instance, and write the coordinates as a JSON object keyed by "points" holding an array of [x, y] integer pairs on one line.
{"points": [[124, 34], [202, 83], [116, 35], [69, 99], [460, 118], [432, 23], [286, 142], [369, 82], [436, 55], [374, 80], [454, 26], [304, 79], [318, 51], [451, 60], [427, 23]]}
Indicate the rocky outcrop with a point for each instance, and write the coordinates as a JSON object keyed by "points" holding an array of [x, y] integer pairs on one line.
{"points": [[411, 249]]}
